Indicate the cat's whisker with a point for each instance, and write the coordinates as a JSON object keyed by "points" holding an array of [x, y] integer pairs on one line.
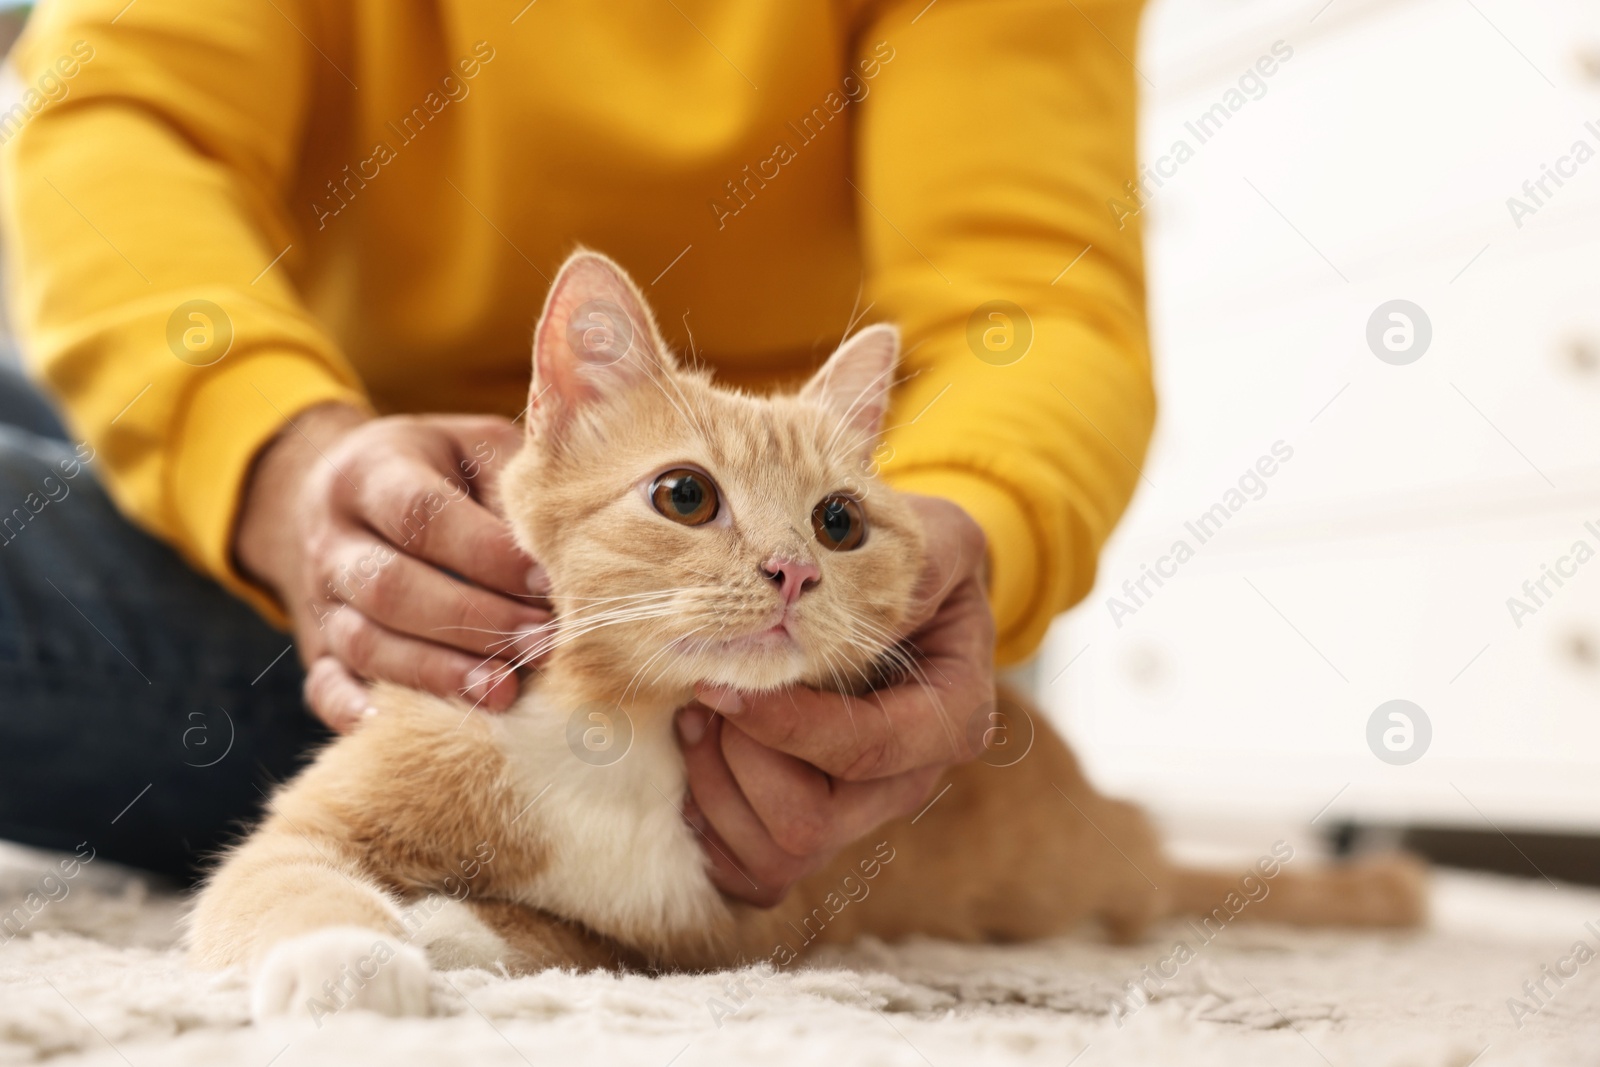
{"points": [[855, 315], [869, 636], [907, 666], [914, 673], [574, 628], [852, 614], [572, 622], [674, 640], [494, 647], [587, 623], [580, 628], [656, 376], [664, 648], [829, 664], [842, 689], [694, 354], [588, 612], [642, 596], [566, 635]]}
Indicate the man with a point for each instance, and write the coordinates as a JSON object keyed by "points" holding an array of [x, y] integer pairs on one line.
{"points": [[250, 241]]}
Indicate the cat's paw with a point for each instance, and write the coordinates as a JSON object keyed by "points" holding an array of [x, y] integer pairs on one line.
{"points": [[327, 971], [1391, 889]]}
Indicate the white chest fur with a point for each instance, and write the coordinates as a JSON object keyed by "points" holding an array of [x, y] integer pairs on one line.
{"points": [[619, 857]]}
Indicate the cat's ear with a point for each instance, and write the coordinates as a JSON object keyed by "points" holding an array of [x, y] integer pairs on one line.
{"points": [[595, 337], [855, 382]]}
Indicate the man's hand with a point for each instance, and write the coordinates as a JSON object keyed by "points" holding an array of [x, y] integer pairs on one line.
{"points": [[779, 782], [374, 536]]}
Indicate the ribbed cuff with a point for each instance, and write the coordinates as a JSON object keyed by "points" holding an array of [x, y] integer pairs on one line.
{"points": [[239, 407]]}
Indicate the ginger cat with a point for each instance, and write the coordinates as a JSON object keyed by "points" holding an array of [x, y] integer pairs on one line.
{"points": [[656, 500]]}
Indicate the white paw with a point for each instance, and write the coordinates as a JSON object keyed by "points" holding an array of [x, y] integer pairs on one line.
{"points": [[320, 974]]}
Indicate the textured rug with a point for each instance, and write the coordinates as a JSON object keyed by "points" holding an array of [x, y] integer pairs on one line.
{"points": [[90, 975]]}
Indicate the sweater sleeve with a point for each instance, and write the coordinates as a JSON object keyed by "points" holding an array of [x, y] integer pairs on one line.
{"points": [[148, 245], [993, 154]]}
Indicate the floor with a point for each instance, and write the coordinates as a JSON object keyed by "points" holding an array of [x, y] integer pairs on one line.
{"points": [[94, 978]]}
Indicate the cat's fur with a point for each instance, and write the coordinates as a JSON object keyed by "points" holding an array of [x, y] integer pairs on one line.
{"points": [[439, 834]]}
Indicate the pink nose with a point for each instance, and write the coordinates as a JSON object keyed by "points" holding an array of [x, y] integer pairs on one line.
{"points": [[792, 576]]}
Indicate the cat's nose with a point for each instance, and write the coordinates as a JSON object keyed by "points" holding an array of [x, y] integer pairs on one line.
{"points": [[791, 576]]}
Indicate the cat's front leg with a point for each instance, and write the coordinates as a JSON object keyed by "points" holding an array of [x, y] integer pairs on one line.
{"points": [[315, 934]]}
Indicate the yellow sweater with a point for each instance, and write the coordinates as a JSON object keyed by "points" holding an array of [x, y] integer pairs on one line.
{"points": [[221, 212]]}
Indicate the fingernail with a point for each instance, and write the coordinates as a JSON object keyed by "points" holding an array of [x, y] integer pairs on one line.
{"points": [[692, 723], [693, 815], [720, 699], [535, 639], [538, 580], [479, 681], [368, 712], [504, 694]]}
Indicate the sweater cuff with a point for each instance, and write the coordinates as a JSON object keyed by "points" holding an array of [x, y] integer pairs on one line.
{"points": [[228, 418], [1015, 547]]}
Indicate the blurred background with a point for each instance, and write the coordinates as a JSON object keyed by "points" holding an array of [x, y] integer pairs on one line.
{"points": [[1309, 175], [1433, 472]]}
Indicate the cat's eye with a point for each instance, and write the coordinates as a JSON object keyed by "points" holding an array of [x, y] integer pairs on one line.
{"points": [[840, 523], [685, 496]]}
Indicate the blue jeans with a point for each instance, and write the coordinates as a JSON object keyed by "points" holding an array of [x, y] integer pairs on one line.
{"points": [[143, 709]]}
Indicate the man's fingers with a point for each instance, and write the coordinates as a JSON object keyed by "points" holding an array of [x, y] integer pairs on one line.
{"points": [[887, 732], [412, 597], [335, 696], [376, 653], [806, 813], [483, 445], [726, 873], [770, 819], [789, 796], [762, 872], [432, 516]]}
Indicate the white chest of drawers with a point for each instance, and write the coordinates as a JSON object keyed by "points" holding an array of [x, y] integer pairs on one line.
{"points": [[1377, 162]]}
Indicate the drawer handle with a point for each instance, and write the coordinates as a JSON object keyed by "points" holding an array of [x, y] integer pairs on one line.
{"points": [[1583, 354], [1581, 650], [1588, 60]]}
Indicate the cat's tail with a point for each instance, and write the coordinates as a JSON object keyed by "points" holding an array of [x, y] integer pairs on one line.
{"points": [[1385, 890]]}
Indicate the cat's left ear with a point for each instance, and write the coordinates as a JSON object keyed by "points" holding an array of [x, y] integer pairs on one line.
{"points": [[595, 337], [855, 382]]}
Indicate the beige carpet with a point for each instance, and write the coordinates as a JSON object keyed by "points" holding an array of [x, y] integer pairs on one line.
{"points": [[93, 978]]}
